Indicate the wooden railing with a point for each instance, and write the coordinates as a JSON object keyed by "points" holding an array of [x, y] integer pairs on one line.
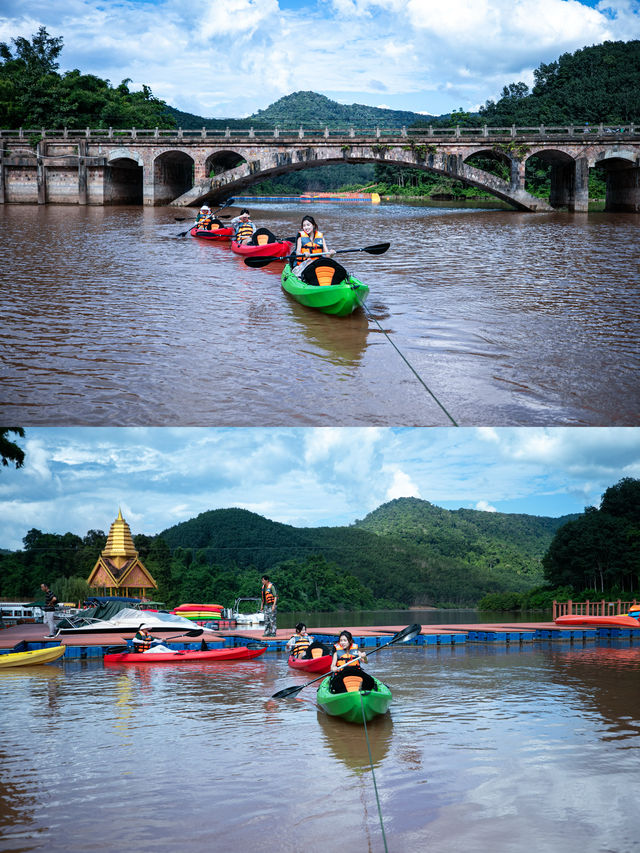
{"points": [[301, 132], [592, 608]]}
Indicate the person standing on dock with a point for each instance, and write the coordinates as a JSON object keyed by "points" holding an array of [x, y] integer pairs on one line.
{"points": [[50, 602], [269, 607]]}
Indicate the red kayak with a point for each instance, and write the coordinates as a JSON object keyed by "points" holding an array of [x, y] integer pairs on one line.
{"points": [[240, 653], [263, 244], [220, 232], [268, 250], [321, 664]]}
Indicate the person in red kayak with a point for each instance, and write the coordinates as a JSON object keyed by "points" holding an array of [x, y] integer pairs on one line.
{"points": [[143, 640], [244, 227], [204, 218], [300, 642], [310, 243], [346, 661]]}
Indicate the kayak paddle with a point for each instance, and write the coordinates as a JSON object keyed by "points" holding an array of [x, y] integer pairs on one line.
{"points": [[403, 636], [228, 202], [377, 249]]}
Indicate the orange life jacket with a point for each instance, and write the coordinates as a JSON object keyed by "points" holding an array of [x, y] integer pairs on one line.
{"points": [[301, 645], [310, 245], [346, 656], [244, 231], [267, 596]]}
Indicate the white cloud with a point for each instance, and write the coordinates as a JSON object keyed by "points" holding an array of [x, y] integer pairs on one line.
{"points": [[426, 58], [484, 506], [402, 486]]}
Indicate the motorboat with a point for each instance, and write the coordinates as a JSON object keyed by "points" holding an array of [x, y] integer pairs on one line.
{"points": [[127, 620], [256, 618]]}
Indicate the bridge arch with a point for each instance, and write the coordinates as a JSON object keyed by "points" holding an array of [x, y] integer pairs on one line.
{"points": [[123, 178], [173, 175], [622, 174], [220, 161]]}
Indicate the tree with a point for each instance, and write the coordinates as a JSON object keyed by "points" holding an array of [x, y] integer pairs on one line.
{"points": [[9, 451], [33, 94]]}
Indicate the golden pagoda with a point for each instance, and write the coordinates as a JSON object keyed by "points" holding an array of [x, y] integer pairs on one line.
{"points": [[119, 570]]}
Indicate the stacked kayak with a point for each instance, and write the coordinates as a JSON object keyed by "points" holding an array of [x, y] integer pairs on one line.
{"points": [[318, 665], [37, 656], [621, 621], [326, 286], [199, 613], [350, 705], [263, 244], [240, 653]]}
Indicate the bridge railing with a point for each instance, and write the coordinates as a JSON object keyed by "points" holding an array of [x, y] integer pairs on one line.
{"points": [[32, 135]]}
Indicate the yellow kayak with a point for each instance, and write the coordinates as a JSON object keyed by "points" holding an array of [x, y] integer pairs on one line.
{"points": [[35, 657]]}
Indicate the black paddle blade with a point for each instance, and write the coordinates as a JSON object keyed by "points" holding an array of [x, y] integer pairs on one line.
{"points": [[378, 249], [288, 691], [262, 262], [117, 650], [407, 634]]}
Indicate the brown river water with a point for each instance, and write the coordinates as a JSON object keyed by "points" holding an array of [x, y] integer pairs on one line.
{"points": [[109, 318], [501, 748]]}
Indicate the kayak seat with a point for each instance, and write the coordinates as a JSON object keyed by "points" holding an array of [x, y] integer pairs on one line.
{"points": [[317, 650], [262, 236], [344, 681], [215, 224], [324, 272]]}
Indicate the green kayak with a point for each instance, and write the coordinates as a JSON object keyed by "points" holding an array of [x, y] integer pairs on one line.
{"points": [[349, 705], [327, 286]]}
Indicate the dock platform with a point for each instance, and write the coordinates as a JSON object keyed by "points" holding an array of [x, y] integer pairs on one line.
{"points": [[87, 646]]}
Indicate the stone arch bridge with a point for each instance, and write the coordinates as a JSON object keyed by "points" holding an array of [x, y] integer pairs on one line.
{"points": [[185, 167]]}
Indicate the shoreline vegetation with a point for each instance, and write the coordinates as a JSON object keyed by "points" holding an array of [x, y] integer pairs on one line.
{"points": [[437, 558]]}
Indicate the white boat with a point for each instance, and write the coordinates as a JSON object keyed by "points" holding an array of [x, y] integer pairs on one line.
{"points": [[129, 620], [256, 618]]}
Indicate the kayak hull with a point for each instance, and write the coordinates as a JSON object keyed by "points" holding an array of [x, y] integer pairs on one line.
{"points": [[337, 299], [37, 656], [599, 621], [217, 234], [316, 665], [268, 250], [240, 653], [350, 706]]}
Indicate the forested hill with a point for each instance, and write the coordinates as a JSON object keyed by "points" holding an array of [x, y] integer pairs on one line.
{"points": [[311, 109], [457, 532], [600, 83], [307, 109], [408, 550]]}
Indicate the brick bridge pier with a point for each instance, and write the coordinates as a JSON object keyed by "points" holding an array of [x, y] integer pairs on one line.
{"points": [[158, 167]]}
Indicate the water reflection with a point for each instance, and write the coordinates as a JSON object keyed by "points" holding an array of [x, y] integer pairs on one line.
{"points": [[348, 741]]}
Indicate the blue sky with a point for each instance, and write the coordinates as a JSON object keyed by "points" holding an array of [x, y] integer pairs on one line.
{"points": [[76, 478], [229, 59]]}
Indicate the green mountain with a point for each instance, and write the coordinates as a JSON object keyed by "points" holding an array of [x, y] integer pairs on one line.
{"points": [[308, 109], [407, 551], [312, 110]]}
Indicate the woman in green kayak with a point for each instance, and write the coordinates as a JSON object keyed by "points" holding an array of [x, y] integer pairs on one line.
{"points": [[346, 661], [310, 243]]}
